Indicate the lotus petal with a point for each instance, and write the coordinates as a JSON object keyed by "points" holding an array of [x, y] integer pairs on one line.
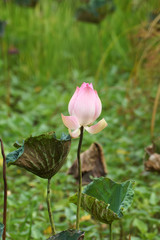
{"points": [[97, 127]]}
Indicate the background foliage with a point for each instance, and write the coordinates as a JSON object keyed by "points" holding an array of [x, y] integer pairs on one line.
{"points": [[55, 53]]}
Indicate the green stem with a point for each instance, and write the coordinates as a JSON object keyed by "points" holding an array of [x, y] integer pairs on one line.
{"points": [[80, 178], [49, 207], [110, 231], [5, 190]]}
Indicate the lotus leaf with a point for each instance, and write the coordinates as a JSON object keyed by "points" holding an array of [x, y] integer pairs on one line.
{"points": [[106, 200], [1, 229], [42, 155], [68, 235]]}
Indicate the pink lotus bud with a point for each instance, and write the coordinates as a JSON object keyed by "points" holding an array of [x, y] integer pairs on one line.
{"points": [[84, 108]]}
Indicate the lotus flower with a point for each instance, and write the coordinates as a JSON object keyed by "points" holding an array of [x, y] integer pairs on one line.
{"points": [[84, 108]]}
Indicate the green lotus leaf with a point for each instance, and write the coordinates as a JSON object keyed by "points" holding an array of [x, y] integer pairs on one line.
{"points": [[42, 155], [1, 229], [68, 235], [106, 200], [13, 156]]}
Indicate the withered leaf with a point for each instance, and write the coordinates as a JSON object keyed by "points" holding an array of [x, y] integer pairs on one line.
{"points": [[42, 155], [152, 157], [93, 164]]}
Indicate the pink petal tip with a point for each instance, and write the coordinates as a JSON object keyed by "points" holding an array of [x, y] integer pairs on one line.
{"points": [[97, 127], [75, 133], [70, 122]]}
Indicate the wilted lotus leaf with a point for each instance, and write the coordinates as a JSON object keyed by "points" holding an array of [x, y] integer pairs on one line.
{"points": [[152, 157], [106, 200], [68, 235], [42, 155], [93, 164], [94, 11], [1, 229]]}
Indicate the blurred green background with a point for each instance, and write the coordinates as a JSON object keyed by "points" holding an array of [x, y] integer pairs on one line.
{"points": [[44, 54]]}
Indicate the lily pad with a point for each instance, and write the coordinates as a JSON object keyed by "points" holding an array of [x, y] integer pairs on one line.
{"points": [[105, 199], [68, 235], [42, 155], [1, 229]]}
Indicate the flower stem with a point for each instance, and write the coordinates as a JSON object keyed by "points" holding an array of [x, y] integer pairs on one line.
{"points": [[80, 178], [5, 190], [49, 207], [110, 231]]}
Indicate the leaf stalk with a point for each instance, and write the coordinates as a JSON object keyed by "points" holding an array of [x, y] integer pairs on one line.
{"points": [[80, 178], [5, 190], [49, 207], [110, 232]]}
